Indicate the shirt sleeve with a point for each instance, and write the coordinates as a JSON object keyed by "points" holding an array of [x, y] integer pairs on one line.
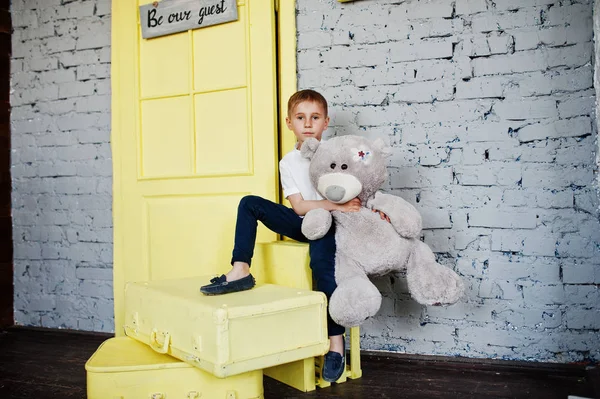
{"points": [[287, 180]]}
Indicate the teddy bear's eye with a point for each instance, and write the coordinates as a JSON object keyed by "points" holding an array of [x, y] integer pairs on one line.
{"points": [[344, 166], [332, 166]]}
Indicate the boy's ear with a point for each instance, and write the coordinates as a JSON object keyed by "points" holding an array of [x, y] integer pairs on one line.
{"points": [[309, 147], [382, 147]]}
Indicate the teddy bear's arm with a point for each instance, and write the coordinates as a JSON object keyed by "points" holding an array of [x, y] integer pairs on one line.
{"points": [[316, 223], [404, 217]]}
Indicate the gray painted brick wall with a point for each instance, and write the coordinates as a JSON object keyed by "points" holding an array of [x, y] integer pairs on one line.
{"points": [[489, 108], [61, 164], [597, 74]]}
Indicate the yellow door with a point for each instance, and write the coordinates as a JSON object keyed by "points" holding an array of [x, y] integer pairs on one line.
{"points": [[194, 130]]}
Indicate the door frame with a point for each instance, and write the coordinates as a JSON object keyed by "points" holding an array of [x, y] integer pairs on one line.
{"points": [[286, 67]]}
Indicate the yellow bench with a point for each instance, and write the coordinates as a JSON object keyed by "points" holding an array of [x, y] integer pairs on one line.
{"points": [[287, 263]]}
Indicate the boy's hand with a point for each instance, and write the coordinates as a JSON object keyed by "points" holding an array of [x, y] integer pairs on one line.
{"points": [[351, 206], [383, 216]]}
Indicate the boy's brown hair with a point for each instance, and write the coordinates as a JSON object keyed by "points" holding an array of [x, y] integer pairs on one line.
{"points": [[306, 95]]}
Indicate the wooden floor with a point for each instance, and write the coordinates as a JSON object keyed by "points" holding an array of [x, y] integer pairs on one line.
{"points": [[50, 364]]}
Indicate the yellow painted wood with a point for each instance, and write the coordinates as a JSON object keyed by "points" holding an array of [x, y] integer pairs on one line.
{"points": [[283, 263], [194, 129], [299, 374], [355, 370], [286, 54], [287, 69], [162, 157], [124, 368], [226, 43], [164, 65]]}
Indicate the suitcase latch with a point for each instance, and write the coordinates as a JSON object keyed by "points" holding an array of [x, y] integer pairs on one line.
{"points": [[198, 343], [135, 321]]}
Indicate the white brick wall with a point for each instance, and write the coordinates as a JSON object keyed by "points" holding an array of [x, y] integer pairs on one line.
{"points": [[61, 164], [489, 108]]}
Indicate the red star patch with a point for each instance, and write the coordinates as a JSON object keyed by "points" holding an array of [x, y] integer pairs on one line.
{"points": [[361, 154]]}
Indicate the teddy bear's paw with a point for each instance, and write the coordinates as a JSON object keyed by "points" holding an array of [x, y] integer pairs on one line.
{"points": [[408, 230], [353, 302], [434, 284], [316, 223]]}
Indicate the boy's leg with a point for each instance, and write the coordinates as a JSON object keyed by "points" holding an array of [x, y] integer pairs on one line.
{"points": [[276, 217], [322, 263]]}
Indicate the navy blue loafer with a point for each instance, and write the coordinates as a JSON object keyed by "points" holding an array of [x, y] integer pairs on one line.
{"points": [[220, 285], [334, 366]]}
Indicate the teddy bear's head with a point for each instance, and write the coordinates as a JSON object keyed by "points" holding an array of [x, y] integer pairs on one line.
{"points": [[346, 167]]}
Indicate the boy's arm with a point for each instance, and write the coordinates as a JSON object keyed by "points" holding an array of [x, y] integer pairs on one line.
{"points": [[302, 206]]}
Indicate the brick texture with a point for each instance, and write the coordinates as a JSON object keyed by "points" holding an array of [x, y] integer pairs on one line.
{"points": [[61, 164], [6, 245], [489, 109]]}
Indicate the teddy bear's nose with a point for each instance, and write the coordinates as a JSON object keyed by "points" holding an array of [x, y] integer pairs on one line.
{"points": [[335, 193]]}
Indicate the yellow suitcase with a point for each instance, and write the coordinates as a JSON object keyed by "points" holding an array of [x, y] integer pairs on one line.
{"points": [[126, 369], [227, 334]]}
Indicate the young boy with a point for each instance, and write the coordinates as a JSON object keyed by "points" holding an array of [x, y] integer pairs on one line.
{"points": [[307, 117]]}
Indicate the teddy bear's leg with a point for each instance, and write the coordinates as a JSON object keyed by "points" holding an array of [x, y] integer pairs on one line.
{"points": [[355, 299], [429, 282]]}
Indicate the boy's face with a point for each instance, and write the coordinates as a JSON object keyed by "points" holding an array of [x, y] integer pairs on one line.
{"points": [[307, 120]]}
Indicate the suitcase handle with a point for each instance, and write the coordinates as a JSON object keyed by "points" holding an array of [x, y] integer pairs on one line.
{"points": [[154, 344]]}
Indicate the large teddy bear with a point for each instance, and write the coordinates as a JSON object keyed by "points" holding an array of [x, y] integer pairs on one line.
{"points": [[347, 167]]}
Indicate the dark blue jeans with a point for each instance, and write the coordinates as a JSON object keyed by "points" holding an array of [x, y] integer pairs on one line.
{"points": [[283, 220]]}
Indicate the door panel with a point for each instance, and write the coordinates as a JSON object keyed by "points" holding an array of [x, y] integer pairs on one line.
{"points": [[163, 117], [215, 132], [208, 235], [220, 55], [194, 130], [165, 66]]}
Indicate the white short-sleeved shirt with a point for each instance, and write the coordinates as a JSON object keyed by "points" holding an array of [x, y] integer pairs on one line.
{"points": [[293, 169]]}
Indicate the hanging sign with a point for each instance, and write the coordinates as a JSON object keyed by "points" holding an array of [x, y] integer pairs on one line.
{"points": [[171, 16]]}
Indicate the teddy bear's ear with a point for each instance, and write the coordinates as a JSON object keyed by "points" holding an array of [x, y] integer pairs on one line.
{"points": [[382, 147], [309, 147]]}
